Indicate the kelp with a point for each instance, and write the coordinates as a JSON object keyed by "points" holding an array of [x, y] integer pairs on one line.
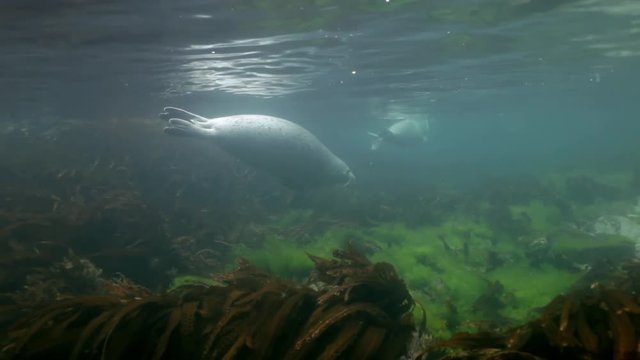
{"points": [[599, 321], [351, 308], [32, 242], [117, 201]]}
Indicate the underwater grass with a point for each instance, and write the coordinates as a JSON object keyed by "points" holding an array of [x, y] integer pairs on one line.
{"points": [[467, 272], [446, 267], [442, 278], [288, 259]]}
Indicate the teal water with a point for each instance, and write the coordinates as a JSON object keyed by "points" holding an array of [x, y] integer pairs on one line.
{"points": [[505, 84], [532, 143]]}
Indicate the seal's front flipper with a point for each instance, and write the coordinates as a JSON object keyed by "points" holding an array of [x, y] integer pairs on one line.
{"points": [[170, 112], [181, 127]]}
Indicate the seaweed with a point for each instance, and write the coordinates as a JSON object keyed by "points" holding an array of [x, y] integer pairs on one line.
{"points": [[117, 202], [351, 308], [599, 321]]}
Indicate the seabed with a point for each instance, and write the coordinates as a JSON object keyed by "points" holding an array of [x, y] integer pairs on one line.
{"points": [[125, 251]]}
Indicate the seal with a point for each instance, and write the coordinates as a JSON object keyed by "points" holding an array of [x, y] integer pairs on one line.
{"points": [[280, 147], [402, 133]]}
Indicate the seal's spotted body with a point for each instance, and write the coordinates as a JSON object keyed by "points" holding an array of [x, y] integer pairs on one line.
{"points": [[278, 146]]}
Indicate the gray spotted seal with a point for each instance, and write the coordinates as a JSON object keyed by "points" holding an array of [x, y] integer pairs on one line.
{"points": [[404, 133], [277, 146]]}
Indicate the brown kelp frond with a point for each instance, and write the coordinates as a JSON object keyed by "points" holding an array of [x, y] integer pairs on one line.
{"points": [[351, 276], [124, 288], [246, 276], [304, 229], [362, 309], [601, 322], [364, 314], [69, 276], [331, 318], [491, 354], [54, 319], [346, 262]]}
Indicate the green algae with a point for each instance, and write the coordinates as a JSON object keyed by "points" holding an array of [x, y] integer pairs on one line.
{"points": [[445, 267], [182, 280], [470, 270], [441, 276], [288, 259], [531, 287]]}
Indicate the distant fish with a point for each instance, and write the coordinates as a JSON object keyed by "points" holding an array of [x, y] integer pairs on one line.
{"points": [[278, 146], [402, 133]]}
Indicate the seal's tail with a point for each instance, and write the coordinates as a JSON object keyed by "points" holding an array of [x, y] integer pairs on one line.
{"points": [[184, 123], [170, 112], [181, 127]]}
